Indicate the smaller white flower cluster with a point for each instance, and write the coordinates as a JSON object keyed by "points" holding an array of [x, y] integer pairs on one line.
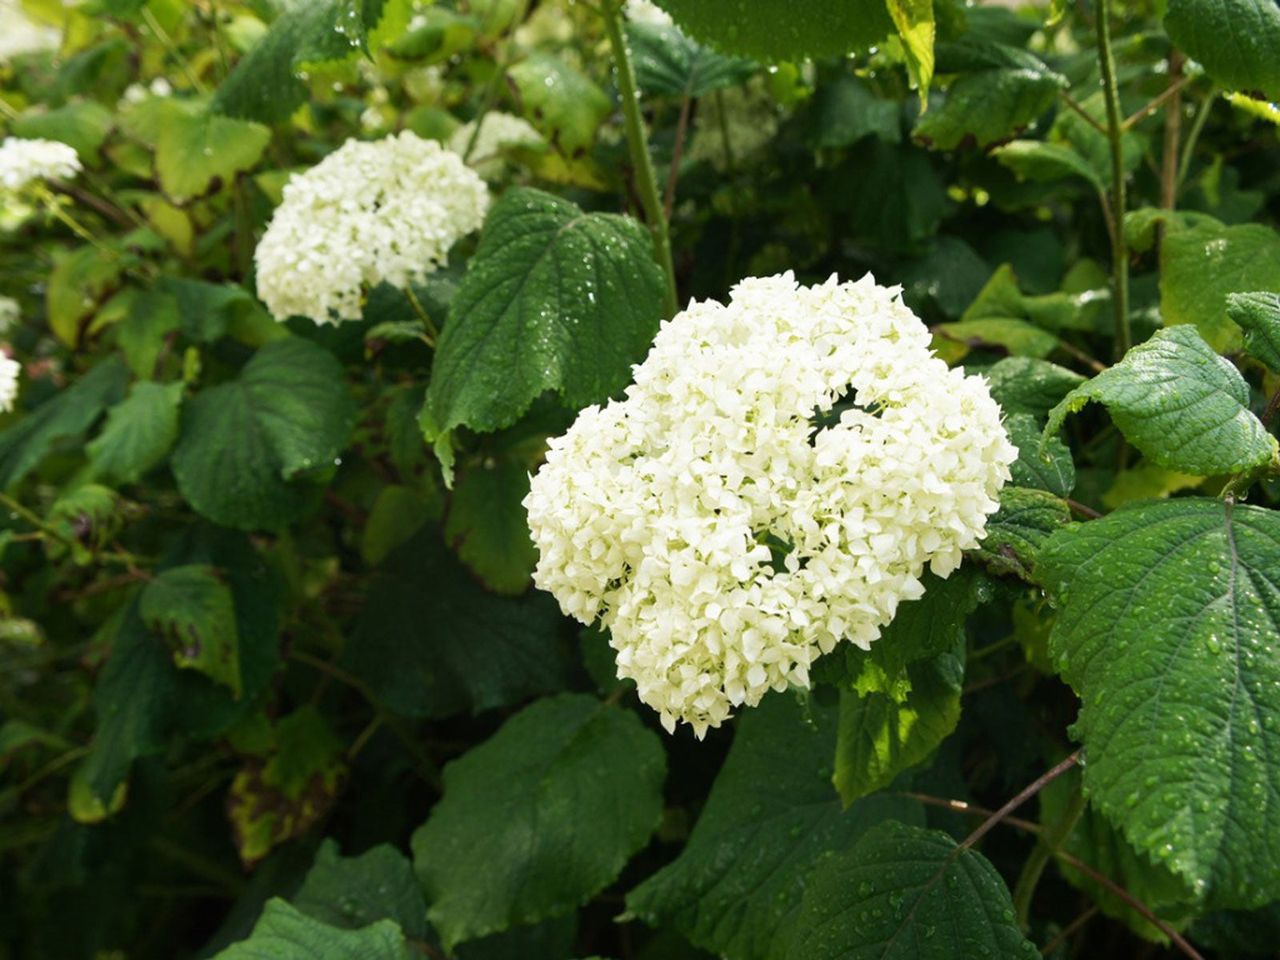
{"points": [[728, 523], [499, 133], [22, 162], [10, 312], [370, 212], [646, 11], [20, 34]]}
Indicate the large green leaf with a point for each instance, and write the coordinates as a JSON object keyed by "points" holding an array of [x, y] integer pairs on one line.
{"points": [[433, 642], [1167, 628], [905, 893], [554, 299], [563, 103], [69, 413], [772, 815], [195, 147], [999, 92], [1048, 162], [773, 30], [1258, 314], [1025, 385], [1042, 467], [488, 527], [539, 818], [353, 892], [1182, 405], [246, 443], [139, 432], [285, 933], [82, 124], [916, 29], [1235, 40], [669, 64], [1202, 265], [191, 608]]}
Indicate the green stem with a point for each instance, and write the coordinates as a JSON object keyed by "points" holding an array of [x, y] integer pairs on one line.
{"points": [[1044, 850], [1189, 147], [167, 41], [491, 88], [433, 332], [646, 182], [1115, 124]]}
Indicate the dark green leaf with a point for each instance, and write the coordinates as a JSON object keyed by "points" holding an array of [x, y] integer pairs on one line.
{"points": [[1023, 385], [192, 610], [285, 933], [1235, 40], [139, 432], [845, 110], [433, 642], [554, 299], [771, 817], [71, 412], [774, 30], [669, 64], [564, 104], [540, 817], [1179, 403], [1018, 530], [246, 443], [1169, 614], [353, 892], [905, 893], [488, 527], [1043, 467]]}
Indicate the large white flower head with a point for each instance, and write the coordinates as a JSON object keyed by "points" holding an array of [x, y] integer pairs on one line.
{"points": [[387, 210], [22, 162], [728, 526], [9, 370]]}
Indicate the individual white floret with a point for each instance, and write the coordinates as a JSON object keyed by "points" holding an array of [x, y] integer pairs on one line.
{"points": [[9, 370], [370, 212], [22, 162], [725, 534]]}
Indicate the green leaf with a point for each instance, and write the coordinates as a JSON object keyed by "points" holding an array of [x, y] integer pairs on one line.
{"points": [[1047, 162], [992, 103], [488, 527], [353, 892], [540, 817], [432, 642], [1025, 521], [196, 147], [88, 517], [1258, 314], [245, 444], [397, 514], [285, 933], [905, 893], [207, 310], [283, 794], [139, 432], [1182, 405], [561, 102], [266, 84], [1235, 40], [1043, 467], [845, 110], [916, 29], [554, 299], [191, 608], [1018, 337], [142, 333], [771, 818], [79, 282], [1146, 481], [82, 124], [669, 64], [774, 30], [1023, 385], [881, 735], [1201, 266], [69, 413], [1167, 625]]}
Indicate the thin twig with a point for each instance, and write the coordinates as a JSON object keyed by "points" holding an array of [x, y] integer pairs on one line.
{"points": [[1083, 510], [1074, 105], [1139, 115], [1119, 246], [1029, 791], [1172, 136], [1069, 930], [682, 129]]}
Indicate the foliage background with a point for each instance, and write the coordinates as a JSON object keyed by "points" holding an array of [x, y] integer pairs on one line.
{"points": [[271, 686]]}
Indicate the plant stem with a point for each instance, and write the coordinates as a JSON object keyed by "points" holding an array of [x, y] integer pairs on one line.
{"points": [[1048, 844], [1119, 249], [167, 41], [1027, 792], [1189, 147], [682, 130], [1172, 135], [1069, 930], [646, 182], [433, 332], [491, 88]]}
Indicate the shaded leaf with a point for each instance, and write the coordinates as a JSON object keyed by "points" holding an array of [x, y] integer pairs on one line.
{"points": [[285, 933], [139, 432], [192, 610], [1235, 40], [669, 64], [353, 892], [488, 527], [1258, 314]]}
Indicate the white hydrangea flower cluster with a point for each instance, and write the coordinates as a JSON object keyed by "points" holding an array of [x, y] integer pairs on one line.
{"points": [[9, 370], [22, 162], [387, 210], [646, 11], [722, 537], [499, 132]]}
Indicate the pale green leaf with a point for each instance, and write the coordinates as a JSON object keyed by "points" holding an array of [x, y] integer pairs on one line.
{"points": [[1047, 162], [1180, 404], [1169, 614], [563, 104], [916, 29], [197, 148], [540, 817]]}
